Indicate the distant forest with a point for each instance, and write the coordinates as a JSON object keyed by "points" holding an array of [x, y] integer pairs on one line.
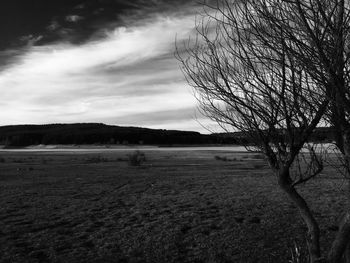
{"points": [[320, 135], [95, 133]]}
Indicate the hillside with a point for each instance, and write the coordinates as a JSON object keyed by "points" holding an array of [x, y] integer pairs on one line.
{"points": [[95, 133], [321, 134]]}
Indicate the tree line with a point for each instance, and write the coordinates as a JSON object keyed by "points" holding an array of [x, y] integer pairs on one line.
{"points": [[94, 133]]}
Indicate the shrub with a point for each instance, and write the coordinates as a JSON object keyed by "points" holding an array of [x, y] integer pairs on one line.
{"points": [[219, 158], [136, 158], [224, 158]]}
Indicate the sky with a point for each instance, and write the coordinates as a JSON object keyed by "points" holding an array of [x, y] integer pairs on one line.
{"points": [[103, 61]]}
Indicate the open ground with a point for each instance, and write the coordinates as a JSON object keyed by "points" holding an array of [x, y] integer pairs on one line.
{"points": [[178, 206]]}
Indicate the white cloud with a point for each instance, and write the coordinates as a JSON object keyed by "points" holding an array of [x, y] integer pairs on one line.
{"points": [[74, 18], [30, 40], [121, 47], [129, 71]]}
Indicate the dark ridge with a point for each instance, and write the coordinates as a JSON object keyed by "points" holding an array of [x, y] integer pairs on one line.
{"points": [[98, 133], [320, 135]]}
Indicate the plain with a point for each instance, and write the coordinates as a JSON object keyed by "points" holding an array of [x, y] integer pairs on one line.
{"points": [[177, 206]]}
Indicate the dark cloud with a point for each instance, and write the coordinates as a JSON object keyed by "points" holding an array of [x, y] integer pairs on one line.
{"points": [[42, 22], [20, 18], [72, 20]]}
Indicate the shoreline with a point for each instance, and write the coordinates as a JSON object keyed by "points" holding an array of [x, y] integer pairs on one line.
{"points": [[116, 148]]}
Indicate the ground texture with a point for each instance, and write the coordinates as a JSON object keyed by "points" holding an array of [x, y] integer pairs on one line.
{"points": [[178, 206]]}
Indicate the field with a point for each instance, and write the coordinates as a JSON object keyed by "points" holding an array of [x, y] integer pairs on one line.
{"points": [[178, 206]]}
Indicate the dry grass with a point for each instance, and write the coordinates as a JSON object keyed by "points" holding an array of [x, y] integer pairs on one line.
{"points": [[176, 207]]}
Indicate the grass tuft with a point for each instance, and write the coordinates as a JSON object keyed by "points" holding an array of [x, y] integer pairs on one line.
{"points": [[136, 158]]}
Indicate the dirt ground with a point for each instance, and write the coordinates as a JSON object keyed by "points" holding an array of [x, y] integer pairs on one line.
{"points": [[178, 206]]}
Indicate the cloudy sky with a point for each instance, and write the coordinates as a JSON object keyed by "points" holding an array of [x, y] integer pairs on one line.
{"points": [[109, 61]]}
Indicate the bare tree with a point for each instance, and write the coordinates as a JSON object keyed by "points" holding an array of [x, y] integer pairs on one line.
{"points": [[317, 34], [271, 69]]}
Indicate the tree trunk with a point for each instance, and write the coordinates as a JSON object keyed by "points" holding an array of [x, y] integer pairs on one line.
{"points": [[341, 245], [341, 241], [347, 254], [313, 235]]}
